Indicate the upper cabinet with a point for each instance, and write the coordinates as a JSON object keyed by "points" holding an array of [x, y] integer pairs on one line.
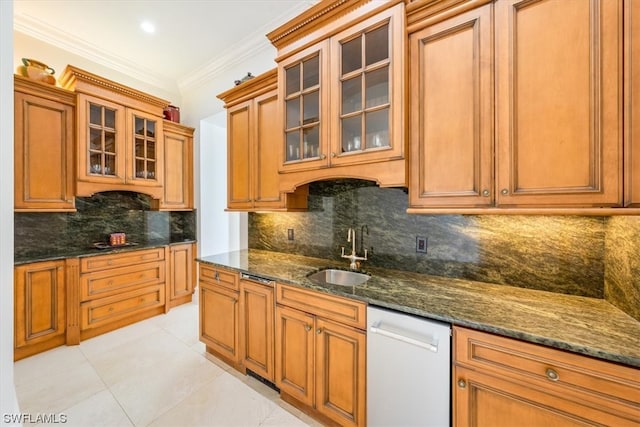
{"points": [[528, 112], [253, 147], [558, 103], [451, 130], [177, 173], [341, 69], [120, 136], [632, 103], [43, 147]]}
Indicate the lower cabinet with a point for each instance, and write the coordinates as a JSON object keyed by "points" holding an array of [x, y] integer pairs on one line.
{"points": [[181, 275], [499, 381], [119, 289], [219, 313], [321, 354], [257, 311], [39, 314]]}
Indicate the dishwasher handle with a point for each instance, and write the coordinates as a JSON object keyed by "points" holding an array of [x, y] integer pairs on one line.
{"points": [[376, 329]]}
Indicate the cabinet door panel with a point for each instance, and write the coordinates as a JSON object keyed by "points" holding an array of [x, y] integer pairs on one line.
{"points": [[487, 401], [239, 165], [44, 143], [452, 112], [295, 354], [267, 137], [257, 322], [219, 320], [181, 280], [632, 107], [558, 103], [39, 303], [340, 372], [178, 167]]}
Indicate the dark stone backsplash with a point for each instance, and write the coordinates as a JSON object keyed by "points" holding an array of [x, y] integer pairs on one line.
{"points": [[563, 254], [42, 233]]}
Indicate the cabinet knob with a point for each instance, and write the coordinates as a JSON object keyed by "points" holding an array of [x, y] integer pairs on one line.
{"points": [[486, 193], [318, 331], [333, 154], [307, 328], [552, 375], [323, 156], [504, 192], [462, 383], [217, 276]]}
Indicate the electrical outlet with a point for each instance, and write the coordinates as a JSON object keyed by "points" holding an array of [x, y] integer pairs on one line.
{"points": [[290, 233], [421, 244]]}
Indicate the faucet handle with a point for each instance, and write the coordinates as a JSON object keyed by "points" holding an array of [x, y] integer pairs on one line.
{"points": [[342, 251]]}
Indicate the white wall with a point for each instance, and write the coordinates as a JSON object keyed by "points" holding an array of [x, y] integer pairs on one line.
{"points": [[8, 401], [218, 231]]}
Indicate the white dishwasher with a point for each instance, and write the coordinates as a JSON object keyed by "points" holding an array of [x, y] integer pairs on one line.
{"points": [[408, 370]]}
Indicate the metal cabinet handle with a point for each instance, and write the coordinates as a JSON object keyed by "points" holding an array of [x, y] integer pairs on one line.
{"points": [[217, 276], [504, 192], [318, 331], [323, 156], [333, 154], [307, 328], [552, 375], [486, 193], [462, 383]]}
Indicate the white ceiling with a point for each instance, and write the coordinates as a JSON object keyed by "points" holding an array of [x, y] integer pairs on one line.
{"points": [[194, 39]]}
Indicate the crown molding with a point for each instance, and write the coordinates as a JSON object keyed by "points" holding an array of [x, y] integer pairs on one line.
{"points": [[42, 31]]}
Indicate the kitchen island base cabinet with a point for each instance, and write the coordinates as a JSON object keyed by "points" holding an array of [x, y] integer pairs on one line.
{"points": [[499, 381], [320, 361], [219, 314], [39, 295]]}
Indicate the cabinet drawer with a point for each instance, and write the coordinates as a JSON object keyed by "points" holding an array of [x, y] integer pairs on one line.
{"points": [[216, 276], [105, 310], [334, 308], [101, 262], [107, 282], [554, 371]]}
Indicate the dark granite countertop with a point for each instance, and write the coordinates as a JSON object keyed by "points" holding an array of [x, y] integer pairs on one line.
{"points": [[588, 326], [63, 253]]}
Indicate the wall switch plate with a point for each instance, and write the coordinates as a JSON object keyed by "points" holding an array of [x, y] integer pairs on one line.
{"points": [[290, 233], [421, 244]]}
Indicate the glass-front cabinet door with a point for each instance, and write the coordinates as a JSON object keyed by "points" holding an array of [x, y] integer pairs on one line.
{"points": [[303, 88], [367, 90], [145, 148], [101, 140]]}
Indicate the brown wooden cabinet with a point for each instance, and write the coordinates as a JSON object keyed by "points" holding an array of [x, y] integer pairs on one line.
{"points": [[119, 289], [499, 381], [257, 320], [252, 148], [44, 143], [558, 76], [181, 277], [219, 313], [39, 307], [178, 168], [632, 103], [341, 68], [451, 122], [558, 103], [321, 354], [119, 136]]}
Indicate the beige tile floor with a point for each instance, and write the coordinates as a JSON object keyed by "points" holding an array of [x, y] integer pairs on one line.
{"points": [[152, 373]]}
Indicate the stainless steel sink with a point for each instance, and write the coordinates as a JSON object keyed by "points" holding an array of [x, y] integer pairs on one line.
{"points": [[339, 277]]}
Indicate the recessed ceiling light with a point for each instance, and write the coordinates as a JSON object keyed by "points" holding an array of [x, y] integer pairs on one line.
{"points": [[148, 27]]}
